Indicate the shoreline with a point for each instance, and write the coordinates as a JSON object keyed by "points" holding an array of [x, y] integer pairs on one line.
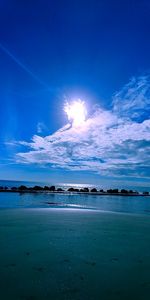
{"points": [[73, 210]]}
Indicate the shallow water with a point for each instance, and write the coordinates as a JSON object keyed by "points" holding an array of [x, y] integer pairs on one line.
{"points": [[65, 254], [127, 204]]}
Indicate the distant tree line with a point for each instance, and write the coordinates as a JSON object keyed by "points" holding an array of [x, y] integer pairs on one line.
{"points": [[37, 188]]}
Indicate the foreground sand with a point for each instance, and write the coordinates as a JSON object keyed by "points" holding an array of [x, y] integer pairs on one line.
{"points": [[73, 254]]}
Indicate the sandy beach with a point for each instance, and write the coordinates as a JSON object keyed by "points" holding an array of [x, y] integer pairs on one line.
{"points": [[73, 254]]}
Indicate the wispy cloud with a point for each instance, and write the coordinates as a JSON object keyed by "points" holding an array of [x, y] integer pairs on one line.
{"points": [[23, 66], [133, 101], [111, 142], [41, 128]]}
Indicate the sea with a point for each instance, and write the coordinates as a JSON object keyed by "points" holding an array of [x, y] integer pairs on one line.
{"points": [[111, 203]]}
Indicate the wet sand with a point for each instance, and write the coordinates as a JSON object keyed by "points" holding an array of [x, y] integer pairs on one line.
{"points": [[73, 254]]}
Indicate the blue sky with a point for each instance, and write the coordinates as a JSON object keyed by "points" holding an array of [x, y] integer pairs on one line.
{"points": [[97, 51]]}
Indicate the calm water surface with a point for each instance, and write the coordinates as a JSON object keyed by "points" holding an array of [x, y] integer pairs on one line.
{"points": [[128, 204]]}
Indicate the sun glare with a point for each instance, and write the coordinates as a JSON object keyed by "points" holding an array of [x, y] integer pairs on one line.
{"points": [[76, 112]]}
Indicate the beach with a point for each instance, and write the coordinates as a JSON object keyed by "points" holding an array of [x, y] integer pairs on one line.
{"points": [[73, 254]]}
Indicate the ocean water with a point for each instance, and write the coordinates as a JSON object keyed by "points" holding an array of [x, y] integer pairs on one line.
{"points": [[127, 204]]}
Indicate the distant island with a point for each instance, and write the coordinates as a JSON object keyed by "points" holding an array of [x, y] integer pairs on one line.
{"points": [[71, 190]]}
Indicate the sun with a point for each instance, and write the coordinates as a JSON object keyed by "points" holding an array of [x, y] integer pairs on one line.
{"points": [[76, 112]]}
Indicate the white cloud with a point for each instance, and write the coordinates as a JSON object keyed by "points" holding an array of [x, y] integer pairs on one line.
{"points": [[115, 142], [41, 128]]}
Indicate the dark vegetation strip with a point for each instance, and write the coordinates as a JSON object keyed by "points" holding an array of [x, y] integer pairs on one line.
{"points": [[86, 190]]}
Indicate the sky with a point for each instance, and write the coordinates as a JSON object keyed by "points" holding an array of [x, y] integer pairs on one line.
{"points": [[57, 51]]}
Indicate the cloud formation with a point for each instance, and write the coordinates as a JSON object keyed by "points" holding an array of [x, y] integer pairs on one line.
{"points": [[112, 142]]}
